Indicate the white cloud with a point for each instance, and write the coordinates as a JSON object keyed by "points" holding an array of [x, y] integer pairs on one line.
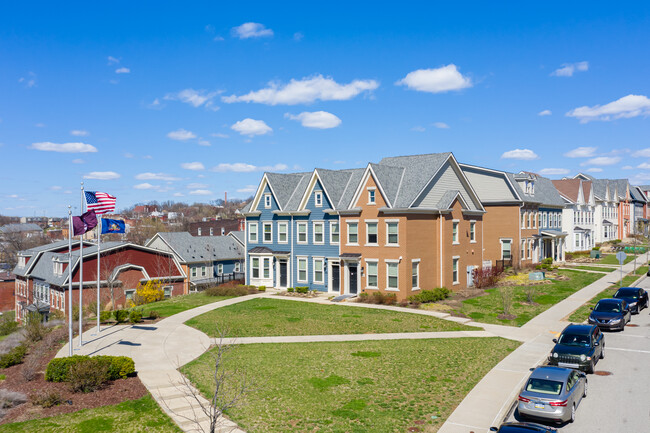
{"points": [[627, 167], [316, 119], [623, 108], [595, 170], [129, 155], [29, 80], [240, 167], [40, 125], [643, 153], [181, 135], [524, 154], [553, 171], [602, 160], [78, 161], [48, 146], [251, 30], [179, 194], [251, 127], [544, 113], [197, 186], [201, 192], [418, 129], [195, 98], [112, 60], [193, 166], [122, 70], [102, 175], [79, 133], [147, 157], [568, 69], [581, 152], [155, 176], [145, 186], [305, 91], [444, 79], [441, 125], [203, 142], [56, 188], [13, 196], [248, 189], [644, 166], [218, 39], [298, 36], [156, 105], [220, 135]]}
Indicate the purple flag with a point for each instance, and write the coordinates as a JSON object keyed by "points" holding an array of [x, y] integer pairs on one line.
{"points": [[85, 222]]}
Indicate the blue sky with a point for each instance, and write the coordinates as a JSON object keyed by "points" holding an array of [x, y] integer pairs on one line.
{"points": [[170, 101]]}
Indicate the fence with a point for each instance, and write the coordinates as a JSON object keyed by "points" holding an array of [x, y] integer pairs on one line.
{"points": [[501, 264]]}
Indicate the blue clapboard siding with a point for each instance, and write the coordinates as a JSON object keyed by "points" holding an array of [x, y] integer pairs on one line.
{"points": [[228, 266]]}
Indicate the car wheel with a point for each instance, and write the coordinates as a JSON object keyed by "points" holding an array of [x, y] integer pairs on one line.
{"points": [[602, 352], [590, 369], [573, 413], [584, 394]]}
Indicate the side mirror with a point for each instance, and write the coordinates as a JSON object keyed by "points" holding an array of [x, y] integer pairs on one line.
{"points": [[591, 308], [596, 344], [555, 340], [581, 374], [494, 429]]}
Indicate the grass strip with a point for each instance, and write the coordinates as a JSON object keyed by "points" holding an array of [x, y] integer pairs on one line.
{"points": [[593, 268], [610, 259], [171, 306], [277, 317], [582, 313], [365, 386]]}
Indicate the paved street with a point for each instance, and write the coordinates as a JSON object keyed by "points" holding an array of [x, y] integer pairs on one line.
{"points": [[619, 402]]}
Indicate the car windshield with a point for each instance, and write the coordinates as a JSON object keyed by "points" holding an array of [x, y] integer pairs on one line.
{"points": [[608, 307], [544, 386], [623, 293], [574, 340]]}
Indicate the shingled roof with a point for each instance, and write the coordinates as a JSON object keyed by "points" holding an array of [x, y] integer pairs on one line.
{"points": [[196, 249], [545, 192]]}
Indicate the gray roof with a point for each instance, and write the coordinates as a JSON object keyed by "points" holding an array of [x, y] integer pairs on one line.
{"points": [[637, 195], [447, 199], [34, 253], [44, 270], [18, 228], [240, 235], [336, 183], [350, 187], [545, 192], [198, 249], [417, 172], [284, 185]]}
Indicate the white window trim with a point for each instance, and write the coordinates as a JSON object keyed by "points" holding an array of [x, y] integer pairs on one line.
{"points": [[375, 261], [219, 268], [457, 269], [368, 244], [318, 196], [374, 190], [264, 224], [267, 201], [259, 273], [322, 260], [392, 221], [391, 262], [332, 231], [306, 241], [472, 223], [268, 260], [418, 263], [257, 233], [286, 232], [314, 224], [354, 244], [501, 243], [298, 260], [457, 241]]}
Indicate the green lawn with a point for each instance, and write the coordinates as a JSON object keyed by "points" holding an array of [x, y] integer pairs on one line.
{"points": [[582, 313], [593, 268], [486, 308], [277, 317], [611, 259], [367, 386], [642, 270], [628, 280], [174, 305], [132, 416]]}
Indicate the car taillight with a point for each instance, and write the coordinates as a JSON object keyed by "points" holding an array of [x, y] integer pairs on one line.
{"points": [[524, 399], [558, 403]]}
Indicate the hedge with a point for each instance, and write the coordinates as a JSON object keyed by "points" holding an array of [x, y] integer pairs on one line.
{"points": [[119, 367]]}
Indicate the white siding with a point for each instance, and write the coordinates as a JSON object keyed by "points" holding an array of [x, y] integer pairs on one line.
{"points": [[490, 187], [446, 179]]}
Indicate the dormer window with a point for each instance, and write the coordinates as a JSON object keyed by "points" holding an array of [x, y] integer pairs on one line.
{"points": [[318, 199], [58, 268], [21, 262], [267, 201]]}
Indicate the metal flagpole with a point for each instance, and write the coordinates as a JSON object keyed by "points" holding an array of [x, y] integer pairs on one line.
{"points": [[70, 279], [81, 272], [99, 240]]}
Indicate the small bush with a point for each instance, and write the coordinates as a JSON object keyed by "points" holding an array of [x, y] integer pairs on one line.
{"points": [[486, 277], [121, 315], [118, 367], [262, 288], [15, 356], [415, 304], [596, 248], [225, 290], [153, 314], [53, 338], [389, 299], [404, 303], [30, 367], [34, 327], [46, 399], [88, 375], [547, 261], [435, 295], [302, 289], [7, 325], [505, 293], [9, 399], [568, 256], [363, 297], [135, 316], [290, 289], [151, 291], [530, 292], [377, 298], [105, 316]]}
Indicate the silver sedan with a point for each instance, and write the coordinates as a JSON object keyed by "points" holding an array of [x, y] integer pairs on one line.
{"points": [[552, 394]]}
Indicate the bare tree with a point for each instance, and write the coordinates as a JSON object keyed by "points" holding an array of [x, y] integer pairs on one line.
{"points": [[230, 387]]}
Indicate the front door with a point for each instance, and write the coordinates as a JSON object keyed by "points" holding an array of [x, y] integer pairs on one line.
{"points": [[336, 278], [352, 274], [283, 273]]}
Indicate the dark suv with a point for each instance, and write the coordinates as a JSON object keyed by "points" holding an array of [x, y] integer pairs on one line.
{"points": [[579, 347], [636, 298]]}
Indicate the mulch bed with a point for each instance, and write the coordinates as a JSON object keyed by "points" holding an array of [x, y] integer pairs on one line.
{"points": [[113, 393]]}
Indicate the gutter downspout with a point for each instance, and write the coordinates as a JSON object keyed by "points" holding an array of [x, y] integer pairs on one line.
{"points": [[292, 258], [440, 240], [519, 223]]}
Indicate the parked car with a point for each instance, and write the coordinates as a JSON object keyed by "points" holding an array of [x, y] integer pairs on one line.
{"points": [[636, 298], [552, 394], [523, 427], [610, 314], [579, 347]]}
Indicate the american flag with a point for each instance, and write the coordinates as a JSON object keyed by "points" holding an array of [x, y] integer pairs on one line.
{"points": [[100, 202]]}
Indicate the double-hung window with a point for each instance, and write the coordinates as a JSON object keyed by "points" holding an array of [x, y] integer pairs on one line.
{"points": [[318, 271], [372, 279], [268, 232], [252, 232], [220, 269], [392, 233], [334, 232], [353, 233], [371, 196], [266, 270], [267, 201], [318, 199], [193, 272], [282, 233], [415, 274], [392, 276], [302, 233], [454, 232], [302, 269], [255, 267], [472, 231], [454, 271], [371, 233], [319, 236]]}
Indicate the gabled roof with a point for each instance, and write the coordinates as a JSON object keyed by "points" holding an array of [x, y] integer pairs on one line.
{"points": [[239, 235], [545, 192], [20, 228], [637, 194], [570, 189], [335, 183], [35, 253], [198, 249], [284, 185]]}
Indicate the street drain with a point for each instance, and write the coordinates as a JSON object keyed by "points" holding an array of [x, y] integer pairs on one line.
{"points": [[632, 325], [603, 373]]}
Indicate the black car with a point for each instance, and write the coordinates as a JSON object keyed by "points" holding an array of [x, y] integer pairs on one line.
{"points": [[636, 298], [579, 347], [610, 314], [522, 427]]}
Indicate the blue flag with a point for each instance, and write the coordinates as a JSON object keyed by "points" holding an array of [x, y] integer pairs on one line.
{"points": [[112, 226]]}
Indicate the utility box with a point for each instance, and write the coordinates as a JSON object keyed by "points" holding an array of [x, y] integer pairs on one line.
{"points": [[595, 254], [536, 276]]}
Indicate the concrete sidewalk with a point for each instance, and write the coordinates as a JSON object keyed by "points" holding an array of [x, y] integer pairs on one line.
{"points": [[491, 399]]}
